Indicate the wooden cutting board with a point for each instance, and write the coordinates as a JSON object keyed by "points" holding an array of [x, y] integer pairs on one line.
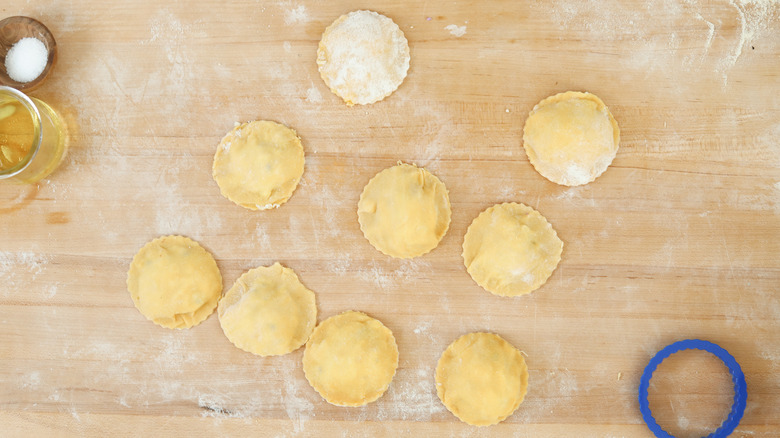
{"points": [[680, 238]]}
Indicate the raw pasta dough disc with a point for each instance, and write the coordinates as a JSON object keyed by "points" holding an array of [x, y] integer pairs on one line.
{"points": [[571, 138], [481, 378], [510, 249], [174, 282], [350, 359], [258, 164], [363, 57], [268, 311], [404, 211]]}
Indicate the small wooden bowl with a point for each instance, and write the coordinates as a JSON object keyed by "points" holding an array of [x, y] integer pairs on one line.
{"points": [[13, 29]]}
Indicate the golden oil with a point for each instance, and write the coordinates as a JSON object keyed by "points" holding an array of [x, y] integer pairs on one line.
{"points": [[33, 138], [17, 133]]}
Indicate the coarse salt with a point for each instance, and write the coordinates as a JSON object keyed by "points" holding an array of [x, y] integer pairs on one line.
{"points": [[26, 59]]}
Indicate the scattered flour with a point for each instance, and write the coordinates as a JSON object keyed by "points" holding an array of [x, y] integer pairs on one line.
{"points": [[412, 396], [168, 41], [262, 239], [340, 264], [296, 15], [710, 32], [313, 95], [456, 30], [31, 380], [214, 406], [754, 19], [51, 292], [507, 192], [279, 71], [31, 262], [380, 277], [20, 267], [439, 130], [600, 18], [174, 213], [388, 278], [244, 399], [297, 404], [562, 385], [324, 214], [609, 20], [422, 328], [168, 32]]}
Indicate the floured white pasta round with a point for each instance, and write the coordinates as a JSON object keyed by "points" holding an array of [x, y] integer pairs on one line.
{"points": [[571, 138], [258, 164], [363, 57]]}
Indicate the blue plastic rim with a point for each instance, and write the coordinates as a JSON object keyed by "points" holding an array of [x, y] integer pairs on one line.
{"points": [[740, 387]]}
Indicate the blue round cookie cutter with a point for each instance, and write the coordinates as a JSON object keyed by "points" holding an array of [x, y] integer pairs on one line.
{"points": [[740, 387]]}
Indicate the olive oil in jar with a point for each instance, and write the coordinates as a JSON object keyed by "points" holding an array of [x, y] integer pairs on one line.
{"points": [[17, 133], [33, 137]]}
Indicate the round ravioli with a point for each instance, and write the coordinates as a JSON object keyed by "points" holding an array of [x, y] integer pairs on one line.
{"points": [[404, 211], [258, 164], [350, 359], [510, 249], [571, 138], [174, 282], [363, 57], [481, 378], [268, 311]]}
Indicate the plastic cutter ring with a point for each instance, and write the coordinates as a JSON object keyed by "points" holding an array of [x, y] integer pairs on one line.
{"points": [[740, 387]]}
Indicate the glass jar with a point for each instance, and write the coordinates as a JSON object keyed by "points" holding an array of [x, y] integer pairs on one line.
{"points": [[33, 137]]}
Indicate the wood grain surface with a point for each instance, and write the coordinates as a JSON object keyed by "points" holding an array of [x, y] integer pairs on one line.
{"points": [[680, 238]]}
